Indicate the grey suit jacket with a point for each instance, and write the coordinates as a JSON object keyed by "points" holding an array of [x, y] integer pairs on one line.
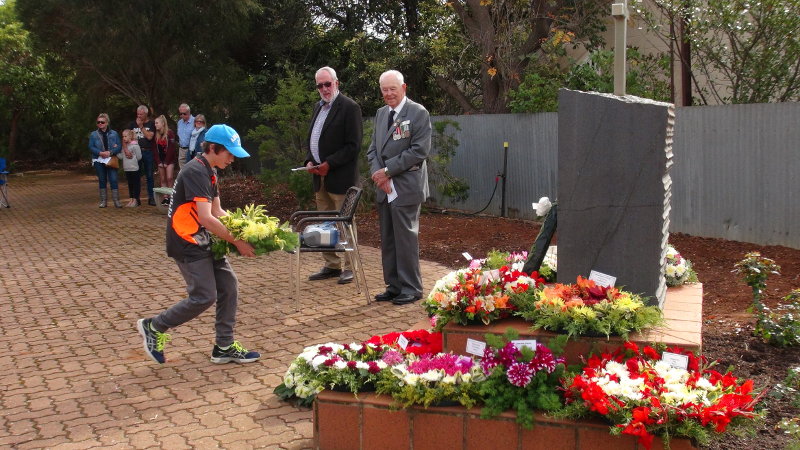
{"points": [[403, 157]]}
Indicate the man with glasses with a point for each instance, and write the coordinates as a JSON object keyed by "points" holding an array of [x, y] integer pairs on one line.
{"points": [[334, 141], [145, 130], [185, 127]]}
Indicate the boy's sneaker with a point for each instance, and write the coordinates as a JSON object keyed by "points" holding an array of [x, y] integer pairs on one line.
{"points": [[153, 340], [235, 353]]}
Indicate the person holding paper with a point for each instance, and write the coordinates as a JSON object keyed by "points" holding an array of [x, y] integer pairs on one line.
{"points": [[401, 141], [334, 141], [104, 144]]}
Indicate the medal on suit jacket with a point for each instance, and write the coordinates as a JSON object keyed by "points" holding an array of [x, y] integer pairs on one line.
{"points": [[396, 133], [405, 128]]}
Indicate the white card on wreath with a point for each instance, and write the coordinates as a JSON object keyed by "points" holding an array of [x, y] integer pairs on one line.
{"points": [[475, 347], [676, 360], [402, 342], [602, 279], [467, 256]]}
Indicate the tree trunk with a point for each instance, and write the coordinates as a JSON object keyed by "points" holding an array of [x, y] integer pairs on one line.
{"points": [[494, 95], [12, 135], [453, 91]]}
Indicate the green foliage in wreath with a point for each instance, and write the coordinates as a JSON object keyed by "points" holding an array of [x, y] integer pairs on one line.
{"points": [[584, 309], [521, 379], [252, 224]]}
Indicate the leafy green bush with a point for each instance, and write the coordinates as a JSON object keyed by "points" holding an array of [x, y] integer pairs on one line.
{"points": [[755, 269], [789, 388], [281, 136], [647, 76], [538, 91], [792, 428], [782, 327]]}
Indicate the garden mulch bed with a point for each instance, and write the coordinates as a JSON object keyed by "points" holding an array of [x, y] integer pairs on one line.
{"points": [[727, 326]]}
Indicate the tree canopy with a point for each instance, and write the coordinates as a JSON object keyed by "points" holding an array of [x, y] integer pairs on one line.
{"points": [[154, 53], [236, 61], [34, 94], [742, 51]]}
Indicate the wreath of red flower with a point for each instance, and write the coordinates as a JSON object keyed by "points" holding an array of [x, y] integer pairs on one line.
{"points": [[420, 342], [738, 400]]}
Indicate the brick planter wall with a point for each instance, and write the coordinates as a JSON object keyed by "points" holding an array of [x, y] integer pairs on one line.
{"points": [[342, 421], [683, 310]]}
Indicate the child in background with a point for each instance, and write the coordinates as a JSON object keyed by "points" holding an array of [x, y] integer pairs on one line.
{"points": [[130, 155]]}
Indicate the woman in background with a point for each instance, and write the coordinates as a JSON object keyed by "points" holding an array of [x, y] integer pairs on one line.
{"points": [[166, 154], [104, 144], [198, 136]]}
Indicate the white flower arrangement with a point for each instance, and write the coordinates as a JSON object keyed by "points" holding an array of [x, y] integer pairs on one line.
{"points": [[551, 258], [331, 365], [678, 270], [542, 207], [616, 380]]}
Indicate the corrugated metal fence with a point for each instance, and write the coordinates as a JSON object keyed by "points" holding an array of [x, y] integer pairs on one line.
{"points": [[736, 173]]}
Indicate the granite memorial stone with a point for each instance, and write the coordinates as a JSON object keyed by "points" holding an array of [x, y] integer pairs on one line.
{"points": [[614, 156]]}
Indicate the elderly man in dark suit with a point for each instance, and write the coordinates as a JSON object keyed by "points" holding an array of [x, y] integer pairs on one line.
{"points": [[400, 144], [334, 141]]}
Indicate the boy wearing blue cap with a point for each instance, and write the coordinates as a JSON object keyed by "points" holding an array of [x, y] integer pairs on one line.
{"points": [[193, 213]]}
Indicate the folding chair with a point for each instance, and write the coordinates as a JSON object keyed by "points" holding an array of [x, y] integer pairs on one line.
{"points": [[160, 194], [348, 243], [4, 184]]}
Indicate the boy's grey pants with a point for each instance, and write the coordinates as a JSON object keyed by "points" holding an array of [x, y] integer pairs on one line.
{"points": [[207, 281]]}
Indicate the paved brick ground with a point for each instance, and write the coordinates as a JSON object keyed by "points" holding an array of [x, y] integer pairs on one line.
{"points": [[73, 281]]}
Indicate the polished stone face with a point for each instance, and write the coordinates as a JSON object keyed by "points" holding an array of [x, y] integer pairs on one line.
{"points": [[614, 155]]}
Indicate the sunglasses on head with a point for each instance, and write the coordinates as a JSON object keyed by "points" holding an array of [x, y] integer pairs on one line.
{"points": [[325, 84], [101, 122]]}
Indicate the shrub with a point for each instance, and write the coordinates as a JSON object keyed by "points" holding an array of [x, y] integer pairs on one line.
{"points": [[782, 327]]}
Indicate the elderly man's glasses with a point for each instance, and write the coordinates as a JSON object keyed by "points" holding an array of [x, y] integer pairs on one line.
{"points": [[325, 84], [184, 113], [101, 122]]}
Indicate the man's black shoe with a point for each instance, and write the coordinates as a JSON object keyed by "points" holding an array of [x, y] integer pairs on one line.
{"points": [[403, 299], [386, 296], [325, 273], [346, 277], [151, 201]]}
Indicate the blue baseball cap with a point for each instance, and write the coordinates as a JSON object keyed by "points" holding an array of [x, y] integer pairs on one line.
{"points": [[228, 137]]}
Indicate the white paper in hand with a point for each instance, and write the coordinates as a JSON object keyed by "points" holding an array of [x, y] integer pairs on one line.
{"points": [[391, 195]]}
